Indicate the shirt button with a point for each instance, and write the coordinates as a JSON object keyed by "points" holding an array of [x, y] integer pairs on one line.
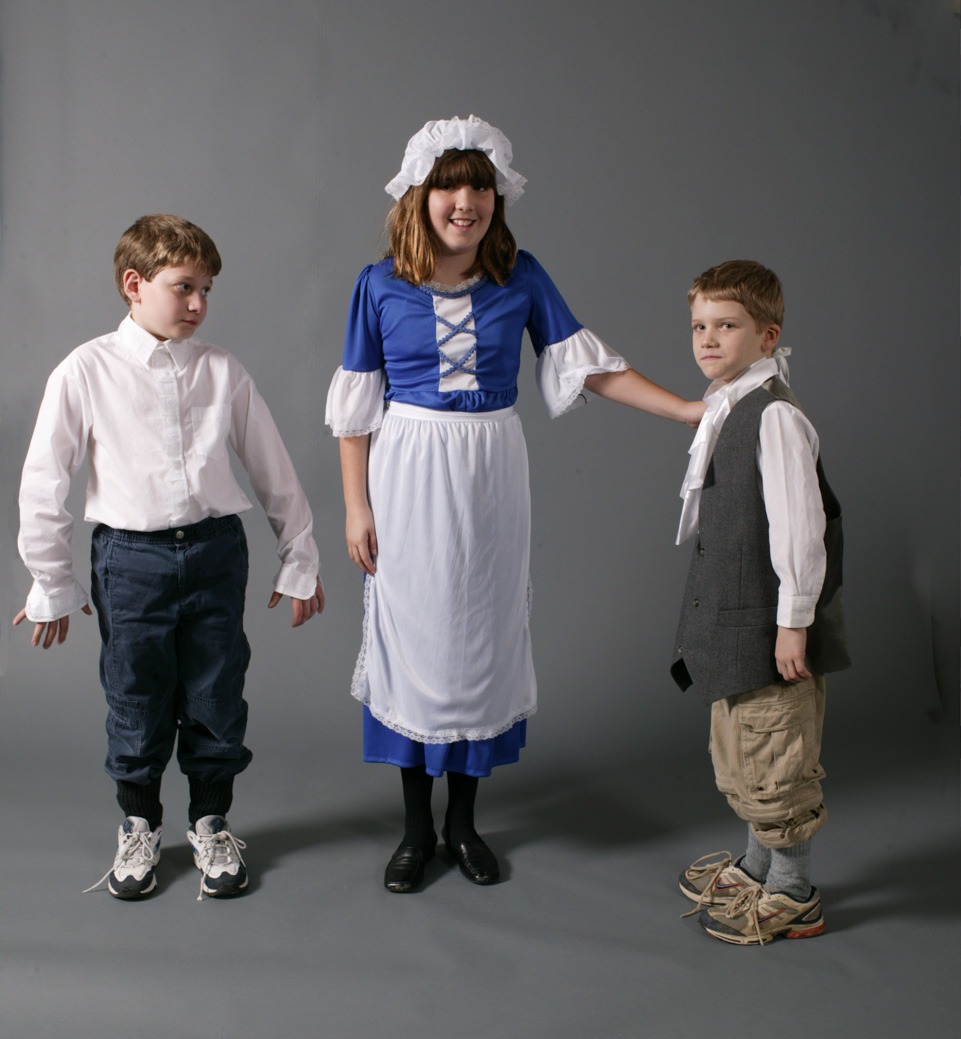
{"points": [[179, 535], [700, 551]]}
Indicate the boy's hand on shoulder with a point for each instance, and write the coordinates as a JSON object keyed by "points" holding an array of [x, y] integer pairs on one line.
{"points": [[789, 652], [47, 633], [302, 609]]}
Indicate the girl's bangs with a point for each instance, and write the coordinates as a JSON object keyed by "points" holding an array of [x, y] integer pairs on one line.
{"points": [[457, 167]]}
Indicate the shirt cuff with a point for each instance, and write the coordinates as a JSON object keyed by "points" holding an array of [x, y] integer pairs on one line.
{"points": [[796, 611], [43, 607], [355, 402], [296, 582], [562, 368]]}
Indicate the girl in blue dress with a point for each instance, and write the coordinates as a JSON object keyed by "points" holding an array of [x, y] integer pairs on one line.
{"points": [[436, 482]]}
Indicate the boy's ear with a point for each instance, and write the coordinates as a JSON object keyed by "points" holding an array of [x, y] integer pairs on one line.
{"points": [[131, 284], [771, 336]]}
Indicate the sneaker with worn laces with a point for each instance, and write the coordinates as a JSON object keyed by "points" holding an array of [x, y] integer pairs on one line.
{"points": [[138, 851], [756, 917], [713, 880], [217, 856]]}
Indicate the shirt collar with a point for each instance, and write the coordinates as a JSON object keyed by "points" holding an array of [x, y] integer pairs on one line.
{"points": [[140, 344], [752, 377]]}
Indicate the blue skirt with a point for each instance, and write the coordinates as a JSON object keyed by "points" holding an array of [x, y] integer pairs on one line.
{"points": [[471, 757]]}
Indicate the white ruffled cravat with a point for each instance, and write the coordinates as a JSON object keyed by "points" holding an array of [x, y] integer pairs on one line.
{"points": [[720, 398]]}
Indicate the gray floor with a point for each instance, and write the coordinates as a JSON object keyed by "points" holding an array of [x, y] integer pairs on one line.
{"points": [[582, 938]]}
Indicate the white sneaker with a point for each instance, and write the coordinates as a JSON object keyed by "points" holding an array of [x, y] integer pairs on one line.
{"points": [[217, 856], [138, 851]]}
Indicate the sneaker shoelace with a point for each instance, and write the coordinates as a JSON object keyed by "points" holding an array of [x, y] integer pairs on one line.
{"points": [[217, 849], [711, 866], [133, 847], [745, 903]]}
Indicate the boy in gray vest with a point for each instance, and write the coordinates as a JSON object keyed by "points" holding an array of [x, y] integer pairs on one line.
{"points": [[761, 621]]}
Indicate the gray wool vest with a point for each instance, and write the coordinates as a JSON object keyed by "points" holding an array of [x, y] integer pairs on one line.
{"points": [[728, 626]]}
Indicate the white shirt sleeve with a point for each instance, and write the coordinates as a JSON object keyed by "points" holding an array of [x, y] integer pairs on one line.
{"points": [[258, 444], [787, 460], [56, 452]]}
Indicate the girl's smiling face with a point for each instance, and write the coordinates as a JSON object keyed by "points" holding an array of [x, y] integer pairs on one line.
{"points": [[459, 218]]}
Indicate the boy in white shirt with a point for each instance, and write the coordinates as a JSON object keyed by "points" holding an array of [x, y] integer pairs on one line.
{"points": [[762, 619], [152, 409]]}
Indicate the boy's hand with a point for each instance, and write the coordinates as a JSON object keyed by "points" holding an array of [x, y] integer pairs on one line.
{"points": [[48, 632], [302, 609], [789, 654]]}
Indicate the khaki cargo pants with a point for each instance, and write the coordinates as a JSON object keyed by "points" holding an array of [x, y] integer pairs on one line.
{"points": [[765, 746]]}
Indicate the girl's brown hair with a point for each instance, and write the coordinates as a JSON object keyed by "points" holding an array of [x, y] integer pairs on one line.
{"points": [[412, 243]]}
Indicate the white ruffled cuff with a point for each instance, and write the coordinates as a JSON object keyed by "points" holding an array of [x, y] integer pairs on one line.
{"points": [[355, 402], [43, 607], [563, 367]]}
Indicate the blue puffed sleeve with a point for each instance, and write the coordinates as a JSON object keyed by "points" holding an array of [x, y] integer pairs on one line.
{"points": [[551, 320], [363, 343]]}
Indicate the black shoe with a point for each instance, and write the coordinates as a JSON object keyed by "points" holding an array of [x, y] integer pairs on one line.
{"points": [[406, 868], [476, 861]]}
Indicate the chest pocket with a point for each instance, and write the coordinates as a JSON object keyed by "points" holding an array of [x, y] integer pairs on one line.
{"points": [[211, 430]]}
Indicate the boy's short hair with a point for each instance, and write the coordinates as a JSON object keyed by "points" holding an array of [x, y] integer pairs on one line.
{"points": [[747, 282], [161, 240]]}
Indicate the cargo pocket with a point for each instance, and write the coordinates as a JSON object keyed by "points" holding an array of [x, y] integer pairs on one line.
{"points": [[780, 744]]}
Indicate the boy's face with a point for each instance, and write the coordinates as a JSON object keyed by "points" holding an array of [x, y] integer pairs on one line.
{"points": [[726, 340], [172, 304]]}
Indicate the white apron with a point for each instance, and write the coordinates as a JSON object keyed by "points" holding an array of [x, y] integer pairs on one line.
{"points": [[446, 653]]}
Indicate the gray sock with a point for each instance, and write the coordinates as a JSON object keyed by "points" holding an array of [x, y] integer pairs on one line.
{"points": [[757, 859], [790, 871]]}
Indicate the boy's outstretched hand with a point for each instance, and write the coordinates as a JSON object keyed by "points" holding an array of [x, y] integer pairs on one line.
{"points": [[48, 632], [302, 609]]}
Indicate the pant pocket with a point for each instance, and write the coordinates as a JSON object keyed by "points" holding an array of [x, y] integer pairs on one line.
{"points": [[780, 746]]}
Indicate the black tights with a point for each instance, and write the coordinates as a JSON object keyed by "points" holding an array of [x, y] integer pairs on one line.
{"points": [[418, 820]]}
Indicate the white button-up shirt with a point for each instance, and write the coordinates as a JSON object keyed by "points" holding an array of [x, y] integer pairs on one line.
{"points": [[153, 421], [787, 453]]}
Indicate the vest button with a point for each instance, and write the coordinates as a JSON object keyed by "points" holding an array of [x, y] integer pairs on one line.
{"points": [[697, 602], [700, 551]]}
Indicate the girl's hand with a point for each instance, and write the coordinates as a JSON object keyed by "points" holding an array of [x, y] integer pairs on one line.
{"points": [[362, 538], [695, 412]]}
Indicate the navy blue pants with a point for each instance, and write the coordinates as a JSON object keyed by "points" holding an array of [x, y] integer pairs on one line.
{"points": [[170, 605]]}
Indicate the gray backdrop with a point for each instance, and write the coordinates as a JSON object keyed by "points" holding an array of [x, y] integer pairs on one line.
{"points": [[818, 136]]}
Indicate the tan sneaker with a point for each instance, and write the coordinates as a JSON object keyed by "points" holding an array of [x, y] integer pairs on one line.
{"points": [[713, 880], [757, 917]]}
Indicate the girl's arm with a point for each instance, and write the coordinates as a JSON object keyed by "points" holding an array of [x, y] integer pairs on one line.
{"points": [[360, 531], [631, 388]]}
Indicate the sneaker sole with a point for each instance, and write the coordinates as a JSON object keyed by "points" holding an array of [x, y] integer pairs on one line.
{"points": [[226, 892], [792, 931], [132, 894]]}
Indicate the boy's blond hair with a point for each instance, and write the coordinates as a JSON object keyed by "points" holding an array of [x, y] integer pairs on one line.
{"points": [[412, 243], [747, 282], [161, 240]]}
